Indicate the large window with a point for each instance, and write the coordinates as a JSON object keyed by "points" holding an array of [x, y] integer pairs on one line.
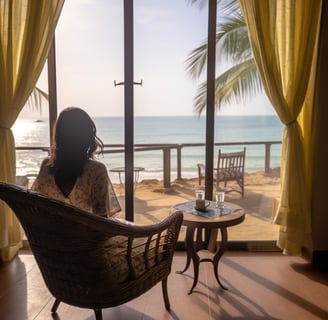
{"points": [[90, 57]]}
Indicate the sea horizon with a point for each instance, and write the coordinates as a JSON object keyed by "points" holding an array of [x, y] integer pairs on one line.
{"points": [[163, 130]]}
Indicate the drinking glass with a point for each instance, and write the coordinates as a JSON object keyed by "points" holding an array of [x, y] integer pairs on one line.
{"points": [[200, 193], [200, 198], [219, 198]]}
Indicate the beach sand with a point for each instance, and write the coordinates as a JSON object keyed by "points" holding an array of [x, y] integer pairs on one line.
{"points": [[153, 202]]}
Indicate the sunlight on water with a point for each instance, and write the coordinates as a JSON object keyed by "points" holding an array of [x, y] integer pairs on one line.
{"points": [[184, 129], [31, 133]]}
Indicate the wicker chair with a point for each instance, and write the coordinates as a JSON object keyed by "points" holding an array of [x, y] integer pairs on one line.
{"points": [[91, 262]]}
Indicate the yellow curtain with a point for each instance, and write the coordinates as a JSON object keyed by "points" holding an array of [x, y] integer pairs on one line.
{"points": [[26, 32], [283, 35]]}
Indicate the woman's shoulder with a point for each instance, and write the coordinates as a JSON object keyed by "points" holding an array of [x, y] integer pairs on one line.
{"points": [[95, 165], [45, 163]]}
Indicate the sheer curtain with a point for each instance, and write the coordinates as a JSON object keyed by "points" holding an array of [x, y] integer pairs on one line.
{"points": [[283, 35], [26, 32]]}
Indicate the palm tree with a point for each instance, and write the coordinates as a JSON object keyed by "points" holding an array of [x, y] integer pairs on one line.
{"points": [[240, 80]]}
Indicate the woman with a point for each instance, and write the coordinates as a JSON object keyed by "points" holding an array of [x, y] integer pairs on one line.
{"points": [[71, 174]]}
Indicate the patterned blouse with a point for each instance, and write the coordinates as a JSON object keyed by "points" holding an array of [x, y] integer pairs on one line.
{"points": [[92, 192]]}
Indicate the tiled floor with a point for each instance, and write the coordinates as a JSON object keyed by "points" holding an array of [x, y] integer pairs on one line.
{"points": [[260, 285]]}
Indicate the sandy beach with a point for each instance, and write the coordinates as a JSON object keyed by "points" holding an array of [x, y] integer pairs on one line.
{"points": [[153, 202]]}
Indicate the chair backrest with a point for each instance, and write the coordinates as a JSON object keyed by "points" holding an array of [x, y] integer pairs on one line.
{"points": [[231, 161], [83, 258], [230, 167]]}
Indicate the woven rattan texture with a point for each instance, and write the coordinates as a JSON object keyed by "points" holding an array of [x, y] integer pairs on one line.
{"points": [[89, 261]]}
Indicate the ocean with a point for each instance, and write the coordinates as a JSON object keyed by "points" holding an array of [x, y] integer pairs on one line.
{"points": [[164, 129]]}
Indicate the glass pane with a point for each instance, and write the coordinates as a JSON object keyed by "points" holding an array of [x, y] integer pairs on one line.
{"points": [[90, 57], [165, 35]]}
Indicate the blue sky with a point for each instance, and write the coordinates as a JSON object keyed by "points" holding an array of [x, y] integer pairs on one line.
{"points": [[90, 56]]}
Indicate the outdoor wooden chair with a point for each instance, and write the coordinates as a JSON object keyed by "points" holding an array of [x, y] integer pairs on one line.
{"points": [[89, 261], [230, 167]]}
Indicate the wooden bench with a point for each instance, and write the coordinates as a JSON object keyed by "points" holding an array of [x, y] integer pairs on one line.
{"points": [[230, 167]]}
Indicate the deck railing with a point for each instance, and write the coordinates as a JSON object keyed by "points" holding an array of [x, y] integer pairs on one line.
{"points": [[166, 149]]}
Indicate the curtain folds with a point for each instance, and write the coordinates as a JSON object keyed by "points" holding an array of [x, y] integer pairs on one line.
{"points": [[26, 32], [283, 36]]}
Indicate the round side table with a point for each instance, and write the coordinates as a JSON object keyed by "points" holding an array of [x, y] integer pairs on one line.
{"points": [[121, 170], [212, 220]]}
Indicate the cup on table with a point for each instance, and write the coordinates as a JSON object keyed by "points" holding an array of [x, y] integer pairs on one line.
{"points": [[219, 198], [200, 193], [200, 198]]}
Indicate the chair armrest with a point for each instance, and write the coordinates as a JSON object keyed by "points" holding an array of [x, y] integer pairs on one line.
{"points": [[132, 253]]}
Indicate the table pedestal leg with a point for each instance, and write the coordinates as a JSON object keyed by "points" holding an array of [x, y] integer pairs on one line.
{"points": [[188, 241], [192, 247], [218, 255], [192, 254]]}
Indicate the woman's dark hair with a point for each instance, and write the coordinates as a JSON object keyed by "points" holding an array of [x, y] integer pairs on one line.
{"points": [[74, 141]]}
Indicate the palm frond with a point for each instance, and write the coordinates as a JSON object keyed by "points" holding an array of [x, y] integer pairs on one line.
{"points": [[241, 81], [236, 85], [228, 8], [232, 39], [199, 3], [196, 61], [232, 44], [34, 102]]}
